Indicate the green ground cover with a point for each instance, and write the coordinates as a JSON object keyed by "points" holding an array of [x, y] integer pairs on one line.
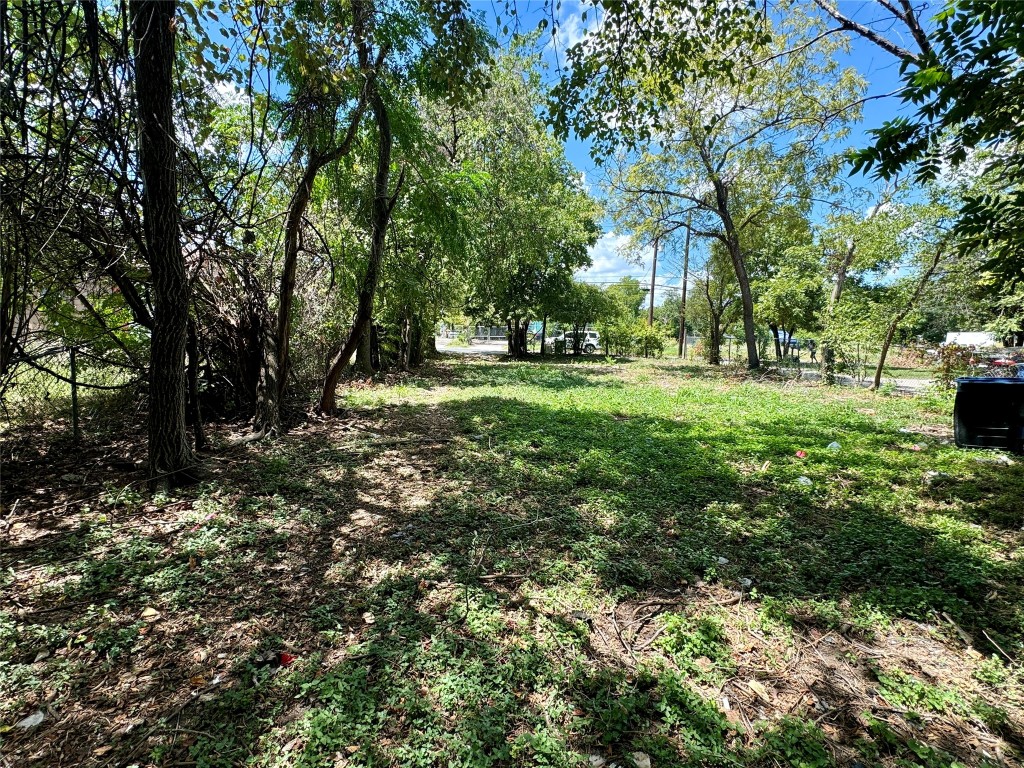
{"points": [[572, 563]]}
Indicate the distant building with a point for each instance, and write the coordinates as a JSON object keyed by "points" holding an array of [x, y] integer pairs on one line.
{"points": [[972, 338]]}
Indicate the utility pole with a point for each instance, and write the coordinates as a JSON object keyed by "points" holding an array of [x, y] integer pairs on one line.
{"points": [[682, 300], [654, 273]]}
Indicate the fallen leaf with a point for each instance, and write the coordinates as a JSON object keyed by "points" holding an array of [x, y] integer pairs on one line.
{"points": [[368, 618], [197, 680], [760, 690], [101, 751], [642, 759], [150, 614], [32, 720], [352, 749]]}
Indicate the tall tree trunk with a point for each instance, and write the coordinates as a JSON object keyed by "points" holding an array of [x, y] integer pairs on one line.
{"points": [[654, 274], [715, 345], [153, 26], [404, 346], [416, 336], [732, 242], [292, 243], [544, 336], [276, 360], [682, 298], [774, 327], [383, 205], [828, 351], [364, 356], [894, 324]]}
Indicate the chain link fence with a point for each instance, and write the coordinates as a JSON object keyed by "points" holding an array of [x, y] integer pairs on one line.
{"points": [[69, 389]]}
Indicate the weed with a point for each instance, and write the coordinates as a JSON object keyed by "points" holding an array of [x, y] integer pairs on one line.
{"points": [[698, 646]]}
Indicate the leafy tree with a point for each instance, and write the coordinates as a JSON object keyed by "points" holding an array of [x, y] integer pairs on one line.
{"points": [[582, 305], [535, 221], [623, 72], [790, 286], [965, 80], [715, 301], [731, 152], [620, 325]]}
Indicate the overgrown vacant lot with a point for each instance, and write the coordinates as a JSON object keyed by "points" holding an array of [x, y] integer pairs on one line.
{"points": [[526, 564]]}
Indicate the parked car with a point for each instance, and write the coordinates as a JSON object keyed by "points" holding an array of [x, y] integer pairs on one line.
{"points": [[590, 341], [1004, 361]]}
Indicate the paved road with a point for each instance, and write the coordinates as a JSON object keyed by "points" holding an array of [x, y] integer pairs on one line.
{"points": [[477, 348]]}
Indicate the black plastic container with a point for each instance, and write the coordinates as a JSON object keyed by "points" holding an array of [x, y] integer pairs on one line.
{"points": [[989, 411]]}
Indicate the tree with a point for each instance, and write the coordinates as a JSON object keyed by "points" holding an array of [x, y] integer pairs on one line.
{"points": [[715, 302], [582, 305], [383, 204], [534, 219], [965, 80], [731, 152], [622, 73], [790, 280], [153, 29]]}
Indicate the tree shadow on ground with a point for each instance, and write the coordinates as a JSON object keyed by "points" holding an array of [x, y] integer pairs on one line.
{"points": [[447, 594], [557, 378]]}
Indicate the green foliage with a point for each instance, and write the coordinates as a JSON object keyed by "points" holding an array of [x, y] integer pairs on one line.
{"points": [[793, 742], [621, 73], [953, 360], [907, 692], [963, 84], [698, 646]]}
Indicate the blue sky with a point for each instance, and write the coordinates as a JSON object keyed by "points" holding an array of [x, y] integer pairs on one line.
{"points": [[879, 68]]}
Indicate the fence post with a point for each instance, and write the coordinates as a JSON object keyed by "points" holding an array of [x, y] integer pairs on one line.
{"points": [[76, 430]]}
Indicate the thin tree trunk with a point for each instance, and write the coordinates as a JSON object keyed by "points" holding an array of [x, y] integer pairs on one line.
{"points": [[775, 336], [416, 337], [544, 336], [405, 351], [682, 298], [153, 28], [654, 273], [890, 332], [276, 360], [828, 352], [715, 345], [382, 208], [292, 243], [195, 413], [364, 359], [740, 268]]}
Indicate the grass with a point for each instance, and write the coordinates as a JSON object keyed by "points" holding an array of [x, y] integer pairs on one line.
{"points": [[555, 564]]}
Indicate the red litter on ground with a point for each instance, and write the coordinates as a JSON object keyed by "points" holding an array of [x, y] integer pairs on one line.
{"points": [[286, 659], [801, 454]]}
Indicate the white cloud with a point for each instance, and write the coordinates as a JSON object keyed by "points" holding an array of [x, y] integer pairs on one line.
{"points": [[610, 262], [571, 28], [227, 94]]}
